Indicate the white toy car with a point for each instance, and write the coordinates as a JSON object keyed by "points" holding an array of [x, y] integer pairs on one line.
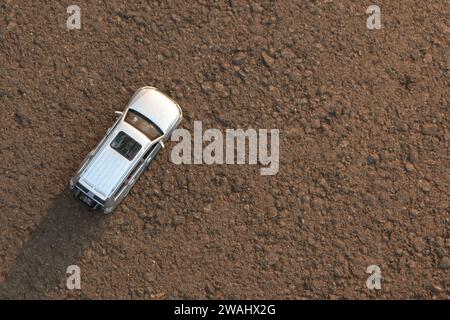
{"points": [[112, 168]]}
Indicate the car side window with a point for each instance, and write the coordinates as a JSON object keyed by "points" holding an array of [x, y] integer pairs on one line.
{"points": [[125, 145]]}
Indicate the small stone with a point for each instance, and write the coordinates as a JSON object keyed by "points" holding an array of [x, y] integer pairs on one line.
{"points": [[89, 253], [257, 7], [428, 58], [294, 132], [239, 58], [409, 167], [407, 81], [288, 53], [445, 263], [419, 245], [207, 87], [221, 90], [429, 129], [414, 213], [197, 215], [387, 156], [272, 213], [148, 226], [317, 203], [177, 220], [295, 76], [207, 208], [373, 159], [237, 185], [424, 185], [447, 242], [413, 156], [403, 127], [315, 123], [21, 118], [445, 28], [370, 200], [166, 52], [2, 278], [143, 62], [143, 215], [11, 25], [434, 288], [268, 60]]}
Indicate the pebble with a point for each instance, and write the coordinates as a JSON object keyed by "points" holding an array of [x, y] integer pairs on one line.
{"points": [[315, 123], [445, 263], [148, 226], [208, 208], [239, 58], [207, 87], [257, 7], [434, 288], [11, 25], [197, 215], [373, 159], [317, 203], [413, 156], [166, 52], [272, 213], [409, 167], [21, 118], [295, 76], [403, 127], [419, 244], [430, 129], [428, 58], [236, 185], [424, 185], [288, 53], [268, 60], [177, 220], [294, 132], [221, 90], [143, 215], [89, 253]]}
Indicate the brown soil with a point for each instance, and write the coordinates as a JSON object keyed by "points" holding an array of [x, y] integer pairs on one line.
{"points": [[364, 172]]}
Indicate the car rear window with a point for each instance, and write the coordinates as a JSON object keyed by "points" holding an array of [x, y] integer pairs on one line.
{"points": [[143, 124], [125, 145]]}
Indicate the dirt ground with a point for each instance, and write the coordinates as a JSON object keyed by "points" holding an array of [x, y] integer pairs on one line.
{"points": [[364, 158]]}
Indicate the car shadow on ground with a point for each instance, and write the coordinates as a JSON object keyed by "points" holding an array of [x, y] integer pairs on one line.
{"points": [[58, 242]]}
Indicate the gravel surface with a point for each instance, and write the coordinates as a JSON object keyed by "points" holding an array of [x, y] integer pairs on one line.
{"points": [[364, 156]]}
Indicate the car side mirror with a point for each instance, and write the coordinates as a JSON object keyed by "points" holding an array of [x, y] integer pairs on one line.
{"points": [[118, 114]]}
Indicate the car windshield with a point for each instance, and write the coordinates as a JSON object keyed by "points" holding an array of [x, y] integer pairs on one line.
{"points": [[143, 124], [125, 145]]}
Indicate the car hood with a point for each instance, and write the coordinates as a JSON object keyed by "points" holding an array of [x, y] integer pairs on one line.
{"points": [[157, 107]]}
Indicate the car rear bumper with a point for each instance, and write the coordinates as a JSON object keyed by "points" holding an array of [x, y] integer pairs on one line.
{"points": [[83, 195]]}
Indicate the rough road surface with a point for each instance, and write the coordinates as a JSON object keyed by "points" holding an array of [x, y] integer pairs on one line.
{"points": [[364, 163]]}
